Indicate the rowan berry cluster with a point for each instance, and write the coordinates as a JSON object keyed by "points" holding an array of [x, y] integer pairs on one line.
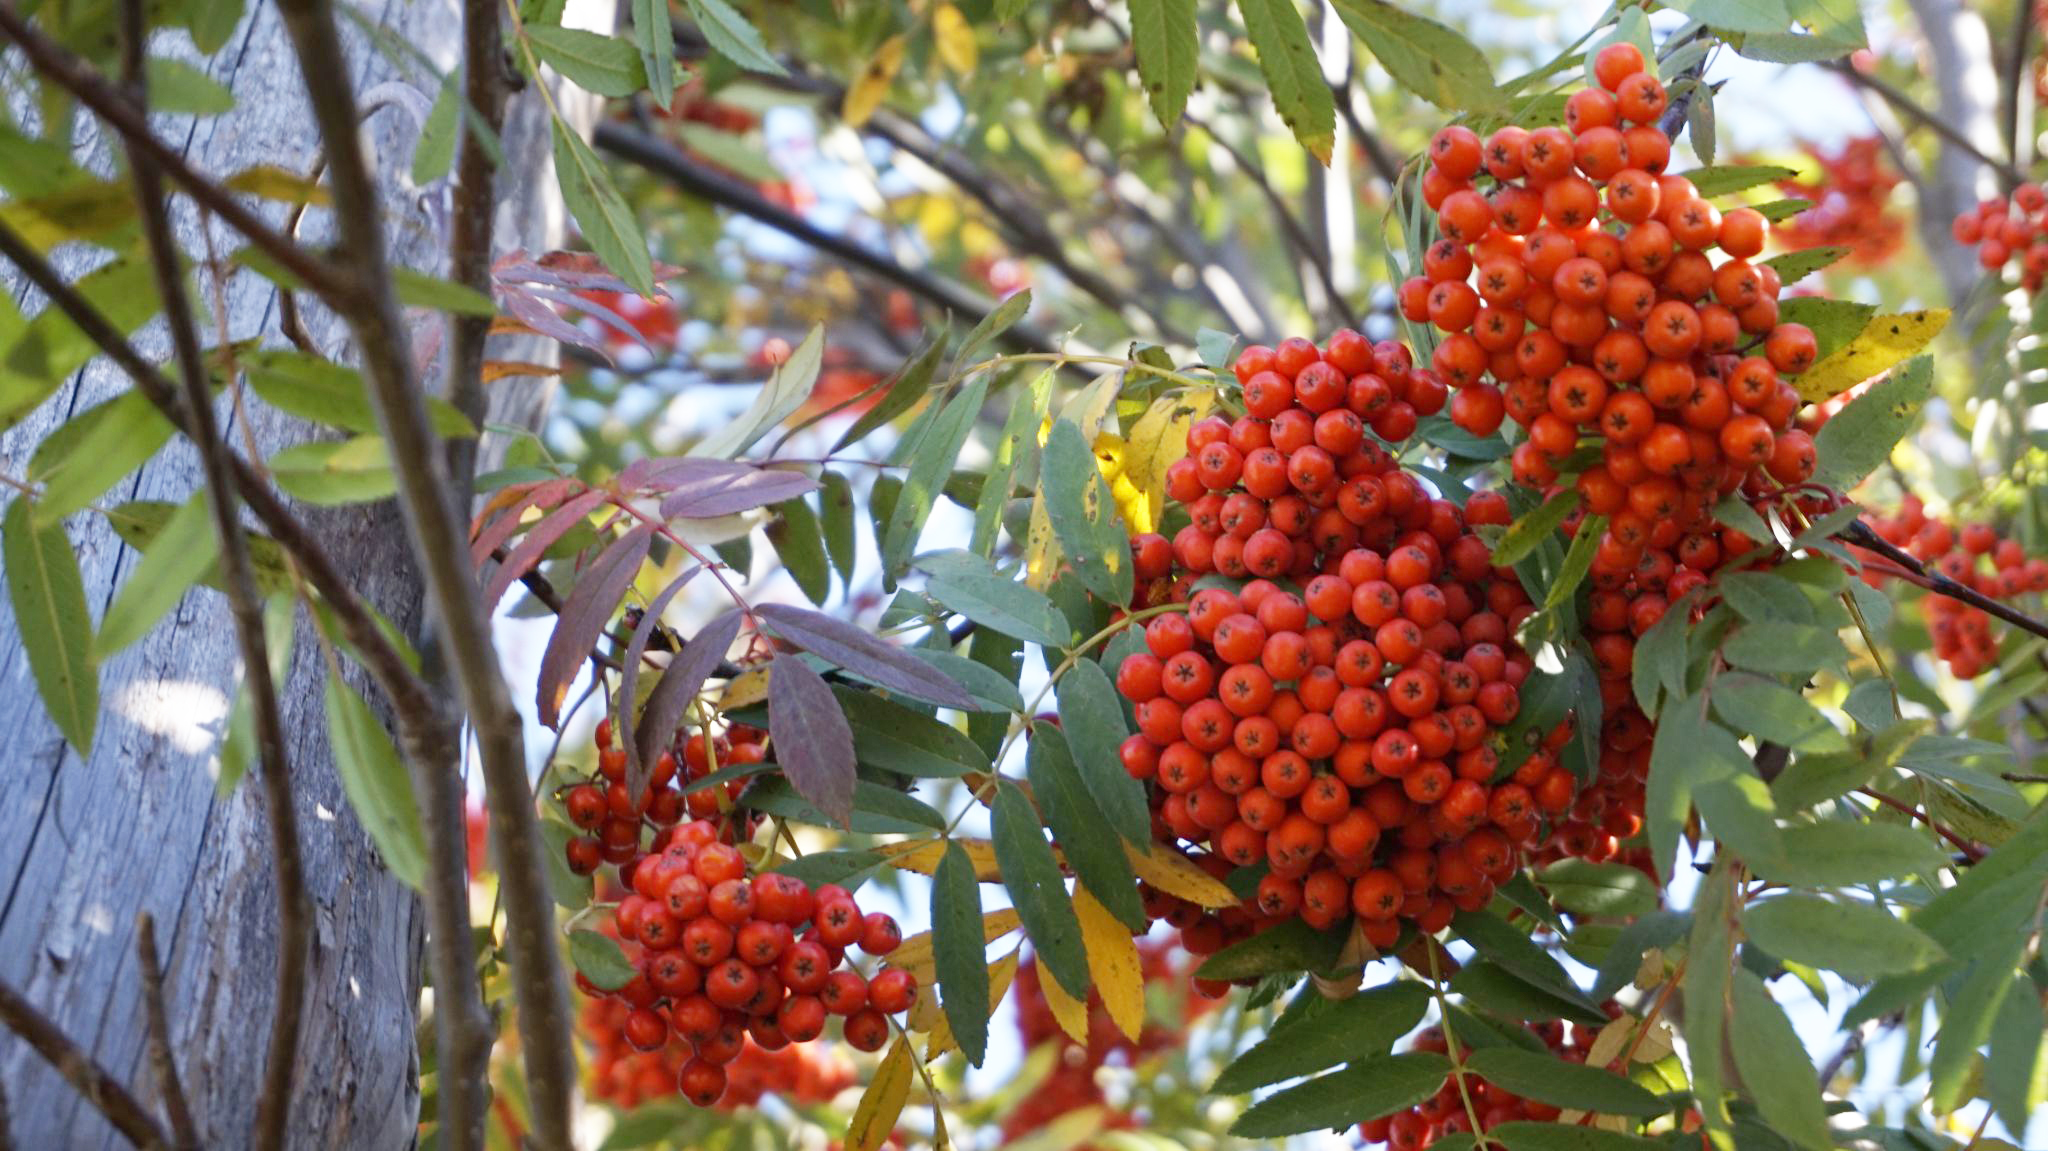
{"points": [[1445, 1113], [1975, 556], [1577, 296], [1072, 1084], [615, 820], [1851, 196], [622, 1075], [2004, 229], [719, 957], [1342, 737]]}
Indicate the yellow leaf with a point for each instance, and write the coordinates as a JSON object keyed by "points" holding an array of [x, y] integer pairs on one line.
{"points": [[865, 94], [273, 183], [1092, 405], [1069, 1012], [81, 212], [923, 855], [1112, 963], [1041, 547], [495, 370], [1112, 455], [955, 38], [1158, 439], [941, 1029], [749, 689], [1884, 342], [874, 1120], [1177, 875], [915, 953]]}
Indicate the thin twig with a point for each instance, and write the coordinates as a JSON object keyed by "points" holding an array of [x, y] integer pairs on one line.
{"points": [[1291, 226], [2018, 77], [294, 907], [674, 166], [2022, 777], [469, 233], [539, 984], [1970, 850], [463, 1027], [106, 1093], [59, 66], [1911, 108], [1863, 536], [163, 1064]]}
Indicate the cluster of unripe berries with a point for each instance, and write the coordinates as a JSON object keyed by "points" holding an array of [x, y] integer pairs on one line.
{"points": [[1445, 1113], [1344, 736], [724, 959], [2008, 228], [1975, 556], [1578, 297], [614, 819]]}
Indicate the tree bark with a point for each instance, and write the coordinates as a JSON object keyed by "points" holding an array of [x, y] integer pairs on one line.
{"points": [[86, 843]]}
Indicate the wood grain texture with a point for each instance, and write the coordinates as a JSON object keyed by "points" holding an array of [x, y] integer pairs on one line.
{"points": [[86, 843]]}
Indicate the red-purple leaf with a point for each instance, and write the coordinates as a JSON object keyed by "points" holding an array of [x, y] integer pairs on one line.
{"points": [[535, 313], [666, 473], [502, 527], [537, 541], [813, 742], [864, 654], [735, 492], [638, 767], [599, 312], [682, 681], [596, 596]]}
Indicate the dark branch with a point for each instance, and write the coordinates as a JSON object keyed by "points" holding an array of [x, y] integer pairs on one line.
{"points": [[96, 1083], [469, 234], [294, 907], [673, 165], [162, 1063], [463, 1028], [68, 72], [436, 530], [2018, 77], [1861, 534]]}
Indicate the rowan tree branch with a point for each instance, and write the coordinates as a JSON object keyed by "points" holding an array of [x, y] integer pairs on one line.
{"points": [[463, 1027], [469, 233], [162, 1063], [673, 165], [1862, 535], [1291, 227], [58, 65], [2018, 79], [294, 907], [96, 1083], [372, 311]]}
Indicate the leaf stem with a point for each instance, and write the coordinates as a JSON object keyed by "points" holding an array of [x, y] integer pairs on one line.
{"points": [[1458, 1072]]}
